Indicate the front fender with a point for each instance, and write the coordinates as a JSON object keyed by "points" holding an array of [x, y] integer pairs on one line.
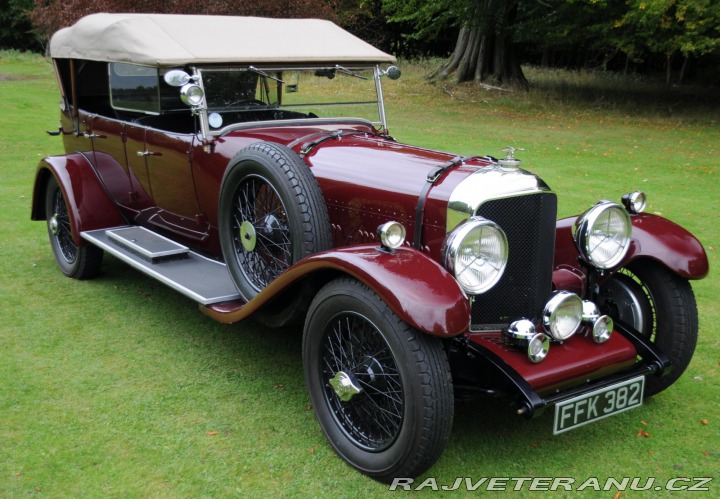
{"points": [[89, 204], [653, 237], [415, 287]]}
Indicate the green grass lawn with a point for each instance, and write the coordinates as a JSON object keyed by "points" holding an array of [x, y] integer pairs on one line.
{"points": [[120, 387]]}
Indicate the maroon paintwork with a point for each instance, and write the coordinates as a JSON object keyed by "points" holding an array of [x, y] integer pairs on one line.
{"points": [[407, 280], [171, 183], [89, 206], [653, 237], [568, 361]]}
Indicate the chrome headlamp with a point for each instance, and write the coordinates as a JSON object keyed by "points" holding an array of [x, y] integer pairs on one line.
{"points": [[391, 234], [476, 253], [634, 202], [191, 94], [522, 333], [602, 325], [563, 315], [603, 234]]}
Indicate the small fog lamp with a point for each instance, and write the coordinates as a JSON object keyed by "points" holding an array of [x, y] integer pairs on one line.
{"points": [[538, 348], [191, 94], [590, 312], [562, 315], [603, 329], [522, 333], [634, 202], [391, 234]]}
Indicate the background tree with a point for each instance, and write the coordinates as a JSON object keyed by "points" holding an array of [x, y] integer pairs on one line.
{"points": [[690, 28], [16, 29], [50, 15], [484, 51]]}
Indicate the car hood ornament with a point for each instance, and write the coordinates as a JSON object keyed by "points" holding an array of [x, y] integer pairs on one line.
{"points": [[510, 161]]}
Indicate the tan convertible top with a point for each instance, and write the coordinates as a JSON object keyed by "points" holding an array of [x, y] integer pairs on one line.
{"points": [[173, 39]]}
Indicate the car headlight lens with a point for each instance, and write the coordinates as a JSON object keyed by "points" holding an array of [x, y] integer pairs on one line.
{"points": [[602, 234], [191, 94], [522, 333], [602, 329], [635, 202], [391, 234], [563, 315], [476, 253]]}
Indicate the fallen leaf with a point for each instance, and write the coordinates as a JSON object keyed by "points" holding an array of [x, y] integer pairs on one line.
{"points": [[312, 450], [280, 385], [705, 453], [534, 446], [643, 433], [19, 473], [617, 496], [703, 421], [651, 452], [212, 433], [644, 423]]}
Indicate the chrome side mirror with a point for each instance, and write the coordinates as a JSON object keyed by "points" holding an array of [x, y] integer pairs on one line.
{"points": [[177, 78], [393, 72]]}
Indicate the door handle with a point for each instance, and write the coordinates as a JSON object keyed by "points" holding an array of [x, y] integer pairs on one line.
{"points": [[91, 135]]}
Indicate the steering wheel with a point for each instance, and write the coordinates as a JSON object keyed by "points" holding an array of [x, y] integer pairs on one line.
{"points": [[247, 101]]}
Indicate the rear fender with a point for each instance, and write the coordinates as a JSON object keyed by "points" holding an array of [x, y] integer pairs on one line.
{"points": [[89, 204], [415, 287], [653, 237]]}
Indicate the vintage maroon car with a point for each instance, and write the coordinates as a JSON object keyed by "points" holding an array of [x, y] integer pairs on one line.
{"points": [[247, 164]]}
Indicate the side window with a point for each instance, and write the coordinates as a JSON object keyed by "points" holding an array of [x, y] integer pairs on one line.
{"points": [[134, 88]]}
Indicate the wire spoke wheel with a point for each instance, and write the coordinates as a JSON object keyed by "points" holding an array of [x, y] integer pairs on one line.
{"points": [[271, 215], [382, 391], [60, 229], [78, 262], [371, 418], [261, 232]]}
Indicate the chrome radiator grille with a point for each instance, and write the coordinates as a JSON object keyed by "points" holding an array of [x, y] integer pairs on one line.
{"points": [[529, 223]]}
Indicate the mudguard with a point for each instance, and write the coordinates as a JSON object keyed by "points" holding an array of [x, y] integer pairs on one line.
{"points": [[89, 204], [415, 287], [653, 237]]}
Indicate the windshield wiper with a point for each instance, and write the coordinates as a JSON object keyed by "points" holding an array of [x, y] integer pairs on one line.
{"points": [[264, 74], [349, 72]]}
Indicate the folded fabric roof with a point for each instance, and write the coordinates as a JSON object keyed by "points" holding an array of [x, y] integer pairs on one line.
{"points": [[172, 39]]}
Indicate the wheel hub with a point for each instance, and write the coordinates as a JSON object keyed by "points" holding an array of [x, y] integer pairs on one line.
{"points": [[248, 236], [372, 372], [345, 386], [54, 225], [271, 229]]}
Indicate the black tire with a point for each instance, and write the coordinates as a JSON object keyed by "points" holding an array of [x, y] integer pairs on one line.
{"points": [[271, 215], [78, 262], [660, 305], [397, 425]]}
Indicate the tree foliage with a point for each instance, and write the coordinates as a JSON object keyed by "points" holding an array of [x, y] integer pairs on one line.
{"points": [[576, 32], [16, 30], [491, 37], [50, 15]]}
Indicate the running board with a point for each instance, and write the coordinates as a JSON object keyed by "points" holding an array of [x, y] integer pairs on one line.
{"points": [[204, 280]]}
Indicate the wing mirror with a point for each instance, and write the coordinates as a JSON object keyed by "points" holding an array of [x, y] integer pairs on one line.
{"points": [[393, 72]]}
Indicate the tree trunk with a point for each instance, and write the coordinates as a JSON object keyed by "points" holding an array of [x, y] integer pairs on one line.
{"points": [[683, 70], [484, 51], [668, 70]]}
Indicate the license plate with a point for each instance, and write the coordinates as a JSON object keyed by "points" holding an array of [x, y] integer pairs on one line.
{"points": [[593, 406]]}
